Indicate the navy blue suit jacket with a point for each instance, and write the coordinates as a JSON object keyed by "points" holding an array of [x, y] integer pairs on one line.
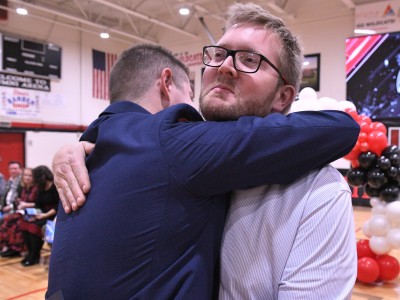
{"points": [[152, 224]]}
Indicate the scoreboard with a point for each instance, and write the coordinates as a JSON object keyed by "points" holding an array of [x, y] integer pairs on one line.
{"points": [[30, 57]]}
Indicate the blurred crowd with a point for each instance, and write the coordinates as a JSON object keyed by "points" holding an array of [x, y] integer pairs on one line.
{"points": [[28, 200]]}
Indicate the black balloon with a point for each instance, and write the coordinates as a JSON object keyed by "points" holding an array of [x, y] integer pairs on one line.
{"points": [[384, 163], [367, 159], [394, 159], [356, 177], [370, 191], [376, 178], [390, 150], [389, 193], [393, 172]]}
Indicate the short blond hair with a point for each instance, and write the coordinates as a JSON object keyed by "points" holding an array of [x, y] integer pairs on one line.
{"points": [[291, 58]]}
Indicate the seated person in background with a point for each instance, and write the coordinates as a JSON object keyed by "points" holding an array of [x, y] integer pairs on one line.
{"points": [[8, 206], [11, 188], [47, 203], [27, 196], [164, 210], [10, 232], [2, 185]]}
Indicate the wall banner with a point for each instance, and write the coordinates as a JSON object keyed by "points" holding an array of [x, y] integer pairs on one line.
{"points": [[19, 103], [378, 16], [24, 82], [190, 59]]}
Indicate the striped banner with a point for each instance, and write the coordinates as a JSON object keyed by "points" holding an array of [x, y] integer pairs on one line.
{"points": [[358, 49], [102, 63]]}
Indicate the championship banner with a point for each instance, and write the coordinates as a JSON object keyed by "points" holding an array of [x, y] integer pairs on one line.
{"points": [[24, 82], [381, 17], [20, 103]]}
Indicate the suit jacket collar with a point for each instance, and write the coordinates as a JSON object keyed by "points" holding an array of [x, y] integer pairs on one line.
{"points": [[123, 107]]}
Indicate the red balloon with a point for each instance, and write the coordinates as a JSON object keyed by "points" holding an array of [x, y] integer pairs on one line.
{"points": [[367, 270], [377, 141], [377, 126], [388, 267], [364, 250], [364, 147], [355, 164], [364, 127], [363, 118], [352, 112], [362, 137]]}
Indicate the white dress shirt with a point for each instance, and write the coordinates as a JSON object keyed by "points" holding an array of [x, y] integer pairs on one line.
{"points": [[292, 241]]}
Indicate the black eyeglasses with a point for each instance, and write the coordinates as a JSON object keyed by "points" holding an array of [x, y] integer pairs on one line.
{"points": [[243, 60]]}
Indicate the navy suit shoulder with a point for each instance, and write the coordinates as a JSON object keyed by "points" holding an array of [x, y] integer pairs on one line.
{"points": [[181, 112]]}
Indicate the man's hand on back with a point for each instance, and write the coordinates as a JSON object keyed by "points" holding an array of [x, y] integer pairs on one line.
{"points": [[71, 176]]}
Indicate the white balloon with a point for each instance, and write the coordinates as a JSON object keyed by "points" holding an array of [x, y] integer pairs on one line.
{"points": [[379, 245], [296, 106], [328, 103], [393, 238], [308, 104], [374, 201], [378, 210], [379, 225], [366, 230], [346, 104], [393, 211], [308, 94]]}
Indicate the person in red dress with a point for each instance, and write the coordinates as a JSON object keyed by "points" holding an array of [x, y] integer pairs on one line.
{"points": [[10, 231]]}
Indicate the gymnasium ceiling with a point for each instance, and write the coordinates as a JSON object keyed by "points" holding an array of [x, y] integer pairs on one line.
{"points": [[158, 21]]}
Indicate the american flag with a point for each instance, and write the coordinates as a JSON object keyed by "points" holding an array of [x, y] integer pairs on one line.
{"points": [[102, 63]]}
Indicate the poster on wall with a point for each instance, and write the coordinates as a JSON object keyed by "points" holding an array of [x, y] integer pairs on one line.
{"points": [[30, 57], [20, 103], [311, 72]]}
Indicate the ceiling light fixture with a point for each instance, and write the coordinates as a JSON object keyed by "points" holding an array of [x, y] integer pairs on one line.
{"points": [[104, 35], [184, 11], [21, 11]]}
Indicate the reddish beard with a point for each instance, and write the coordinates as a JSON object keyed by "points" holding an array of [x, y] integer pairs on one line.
{"points": [[219, 110], [214, 108]]}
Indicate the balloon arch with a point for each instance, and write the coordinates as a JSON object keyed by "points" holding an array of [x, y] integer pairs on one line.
{"points": [[375, 165]]}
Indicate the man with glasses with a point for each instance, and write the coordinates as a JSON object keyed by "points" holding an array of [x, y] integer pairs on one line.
{"points": [[293, 241], [168, 199]]}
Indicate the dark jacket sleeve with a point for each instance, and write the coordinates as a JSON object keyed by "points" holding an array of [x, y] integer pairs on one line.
{"points": [[216, 157]]}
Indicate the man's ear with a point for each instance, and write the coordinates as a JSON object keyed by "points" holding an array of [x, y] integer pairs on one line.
{"points": [[165, 87], [284, 98]]}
